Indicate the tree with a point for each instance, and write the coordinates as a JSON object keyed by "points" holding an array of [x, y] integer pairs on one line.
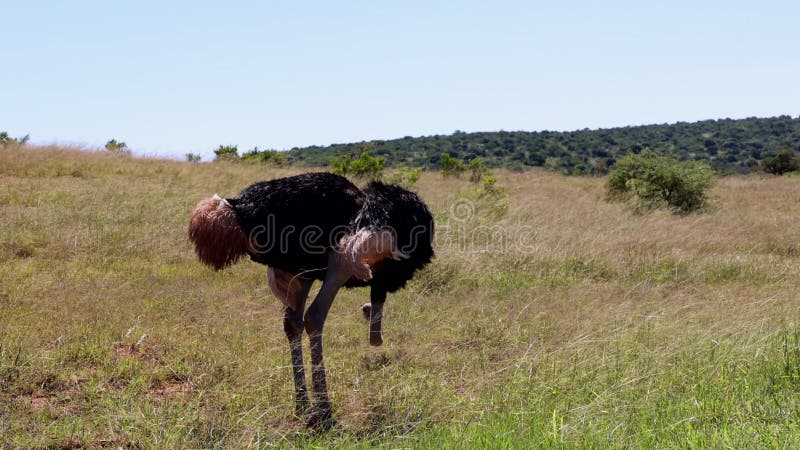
{"points": [[652, 181], [406, 177], [226, 153], [5, 139], [272, 157], [451, 166], [340, 165], [478, 168], [785, 161], [365, 166], [599, 166], [193, 157], [117, 147], [727, 145]]}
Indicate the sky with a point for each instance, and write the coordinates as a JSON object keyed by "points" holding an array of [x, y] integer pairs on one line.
{"points": [[172, 77]]}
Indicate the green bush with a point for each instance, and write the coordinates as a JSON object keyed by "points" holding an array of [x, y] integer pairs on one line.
{"points": [[598, 167], [226, 153], [406, 177], [652, 181], [365, 166], [117, 147], [478, 169], [340, 165], [272, 157], [452, 166], [5, 139], [193, 157], [785, 161], [488, 201], [490, 187]]}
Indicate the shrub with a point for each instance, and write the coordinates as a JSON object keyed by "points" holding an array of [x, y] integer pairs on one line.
{"points": [[406, 177], [494, 195], [340, 165], [478, 169], [452, 166], [516, 166], [193, 157], [226, 153], [598, 166], [368, 166], [365, 166], [488, 201], [489, 186], [652, 181], [117, 147], [5, 139], [272, 157], [785, 161]]}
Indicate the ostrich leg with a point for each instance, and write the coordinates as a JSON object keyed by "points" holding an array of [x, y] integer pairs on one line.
{"points": [[293, 291], [335, 277], [293, 326], [373, 312]]}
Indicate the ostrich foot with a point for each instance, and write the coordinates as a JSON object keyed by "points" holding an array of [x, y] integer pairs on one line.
{"points": [[366, 308], [320, 418], [375, 338], [301, 406], [375, 333]]}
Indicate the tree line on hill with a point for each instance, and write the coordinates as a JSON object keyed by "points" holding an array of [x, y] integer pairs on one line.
{"points": [[727, 145]]}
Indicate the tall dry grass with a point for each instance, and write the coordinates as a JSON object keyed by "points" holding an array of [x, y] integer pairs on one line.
{"points": [[550, 318]]}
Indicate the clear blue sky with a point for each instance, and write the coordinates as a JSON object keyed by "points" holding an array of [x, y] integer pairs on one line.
{"points": [[171, 77]]}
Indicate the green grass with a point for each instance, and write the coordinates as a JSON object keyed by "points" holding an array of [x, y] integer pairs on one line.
{"points": [[606, 330]]}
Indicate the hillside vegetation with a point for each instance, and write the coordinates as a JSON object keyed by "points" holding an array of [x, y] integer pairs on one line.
{"points": [[727, 144], [549, 319]]}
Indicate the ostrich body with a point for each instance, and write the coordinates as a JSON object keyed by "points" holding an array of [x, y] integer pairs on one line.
{"points": [[318, 226]]}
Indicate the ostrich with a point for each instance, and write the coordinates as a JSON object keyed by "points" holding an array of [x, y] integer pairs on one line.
{"points": [[318, 226]]}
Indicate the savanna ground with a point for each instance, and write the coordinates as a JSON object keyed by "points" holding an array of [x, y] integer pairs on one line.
{"points": [[571, 324]]}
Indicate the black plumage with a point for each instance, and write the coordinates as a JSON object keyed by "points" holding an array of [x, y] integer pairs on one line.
{"points": [[401, 211], [294, 222]]}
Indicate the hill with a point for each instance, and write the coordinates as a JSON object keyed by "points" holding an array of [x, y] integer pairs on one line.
{"points": [[727, 144], [560, 321]]}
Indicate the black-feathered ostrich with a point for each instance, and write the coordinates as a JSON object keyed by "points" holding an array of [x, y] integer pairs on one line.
{"points": [[318, 226]]}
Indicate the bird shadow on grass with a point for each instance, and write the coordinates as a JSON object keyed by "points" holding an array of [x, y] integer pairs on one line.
{"points": [[379, 422], [382, 421]]}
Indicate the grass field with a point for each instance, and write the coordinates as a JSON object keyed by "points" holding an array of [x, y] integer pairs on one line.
{"points": [[549, 319]]}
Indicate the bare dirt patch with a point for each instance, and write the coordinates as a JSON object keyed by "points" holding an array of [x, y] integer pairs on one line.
{"points": [[169, 390], [37, 402], [126, 351]]}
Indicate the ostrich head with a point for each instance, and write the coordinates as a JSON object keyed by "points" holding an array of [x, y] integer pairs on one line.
{"points": [[365, 247]]}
